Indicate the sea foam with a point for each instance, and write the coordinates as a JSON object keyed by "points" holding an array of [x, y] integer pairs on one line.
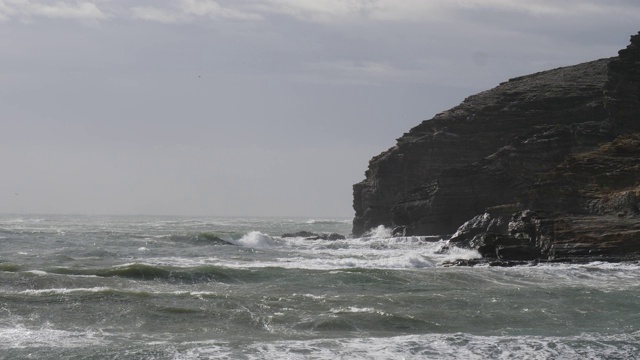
{"points": [[255, 239], [431, 346], [379, 232], [22, 337]]}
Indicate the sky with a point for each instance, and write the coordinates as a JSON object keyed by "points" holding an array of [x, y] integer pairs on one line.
{"points": [[252, 107]]}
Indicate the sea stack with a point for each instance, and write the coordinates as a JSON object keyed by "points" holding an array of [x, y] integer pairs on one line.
{"points": [[542, 167]]}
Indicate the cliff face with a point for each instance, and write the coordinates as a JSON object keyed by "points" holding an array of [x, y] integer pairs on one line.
{"points": [[562, 141]]}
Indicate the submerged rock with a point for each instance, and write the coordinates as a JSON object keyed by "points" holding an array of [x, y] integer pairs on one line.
{"points": [[543, 167], [314, 236], [303, 233]]}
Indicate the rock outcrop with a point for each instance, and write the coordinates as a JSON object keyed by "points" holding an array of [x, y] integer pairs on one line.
{"points": [[314, 236], [544, 166]]}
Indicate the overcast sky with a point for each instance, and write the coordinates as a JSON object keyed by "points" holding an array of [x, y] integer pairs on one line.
{"points": [[252, 107]]}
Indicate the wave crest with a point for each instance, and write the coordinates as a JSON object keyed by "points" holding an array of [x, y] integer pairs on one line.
{"points": [[255, 239], [380, 232]]}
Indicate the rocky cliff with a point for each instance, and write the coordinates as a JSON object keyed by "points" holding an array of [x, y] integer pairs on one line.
{"points": [[543, 166]]}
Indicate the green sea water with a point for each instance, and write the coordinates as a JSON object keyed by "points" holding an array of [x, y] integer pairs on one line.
{"points": [[97, 287]]}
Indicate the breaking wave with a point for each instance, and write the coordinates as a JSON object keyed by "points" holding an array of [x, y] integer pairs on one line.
{"points": [[379, 232], [255, 239]]}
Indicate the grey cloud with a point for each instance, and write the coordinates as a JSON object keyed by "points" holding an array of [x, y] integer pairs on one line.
{"points": [[26, 9], [213, 9], [152, 13], [190, 10], [326, 12], [340, 11]]}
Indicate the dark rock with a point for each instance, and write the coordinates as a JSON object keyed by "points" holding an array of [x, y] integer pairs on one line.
{"points": [[332, 236], [544, 166], [496, 263], [205, 238], [303, 233], [314, 236]]}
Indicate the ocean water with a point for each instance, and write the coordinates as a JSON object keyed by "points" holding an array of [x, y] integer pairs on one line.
{"points": [[95, 287]]}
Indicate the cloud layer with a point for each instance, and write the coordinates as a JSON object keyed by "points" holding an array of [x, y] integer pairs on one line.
{"points": [[27, 10], [327, 11]]}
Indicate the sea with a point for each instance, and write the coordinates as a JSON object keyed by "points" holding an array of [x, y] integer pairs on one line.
{"points": [[161, 287]]}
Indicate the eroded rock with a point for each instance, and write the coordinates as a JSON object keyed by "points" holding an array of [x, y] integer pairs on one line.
{"points": [[543, 167]]}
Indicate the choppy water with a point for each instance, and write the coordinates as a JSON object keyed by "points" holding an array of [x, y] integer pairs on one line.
{"points": [[89, 287]]}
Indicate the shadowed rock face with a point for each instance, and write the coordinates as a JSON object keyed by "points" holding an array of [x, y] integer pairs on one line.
{"points": [[556, 150]]}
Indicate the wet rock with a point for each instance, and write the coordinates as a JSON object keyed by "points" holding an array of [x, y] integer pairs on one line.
{"points": [[303, 234], [332, 236], [314, 236]]}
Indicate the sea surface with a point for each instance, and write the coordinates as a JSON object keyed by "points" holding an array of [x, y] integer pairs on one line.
{"points": [[136, 287]]}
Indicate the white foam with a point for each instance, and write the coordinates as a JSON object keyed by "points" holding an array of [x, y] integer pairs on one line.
{"points": [[295, 253], [605, 277], [64, 291], [21, 337], [328, 221], [311, 296], [37, 272], [255, 239], [456, 253], [432, 346], [381, 232], [595, 265], [204, 350], [101, 289], [355, 310]]}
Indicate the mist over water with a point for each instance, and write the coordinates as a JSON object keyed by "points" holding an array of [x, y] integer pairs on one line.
{"points": [[83, 287]]}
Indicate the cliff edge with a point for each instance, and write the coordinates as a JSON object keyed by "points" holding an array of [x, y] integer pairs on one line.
{"points": [[544, 166]]}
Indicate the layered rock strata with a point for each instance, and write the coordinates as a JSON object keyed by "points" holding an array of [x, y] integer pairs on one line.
{"points": [[543, 166]]}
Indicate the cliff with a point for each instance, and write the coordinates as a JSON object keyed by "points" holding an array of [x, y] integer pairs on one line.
{"points": [[552, 158]]}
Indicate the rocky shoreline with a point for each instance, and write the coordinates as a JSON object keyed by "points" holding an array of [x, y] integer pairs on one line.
{"points": [[544, 167]]}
